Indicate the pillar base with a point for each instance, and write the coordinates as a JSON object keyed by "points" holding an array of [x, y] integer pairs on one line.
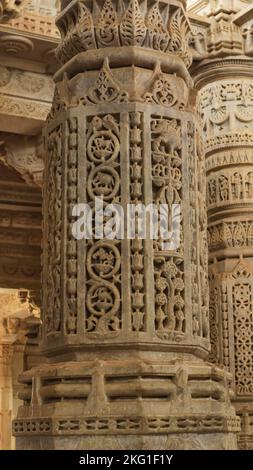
{"points": [[130, 404], [182, 441]]}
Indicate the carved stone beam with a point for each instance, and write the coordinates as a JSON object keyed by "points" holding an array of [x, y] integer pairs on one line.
{"points": [[24, 154]]}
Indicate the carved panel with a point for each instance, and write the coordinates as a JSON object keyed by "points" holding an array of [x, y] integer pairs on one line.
{"points": [[167, 189], [103, 299], [229, 186], [138, 298], [226, 112], [52, 272], [242, 306]]}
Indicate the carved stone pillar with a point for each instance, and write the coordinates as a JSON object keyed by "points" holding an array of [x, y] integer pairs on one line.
{"points": [[125, 322], [226, 113]]}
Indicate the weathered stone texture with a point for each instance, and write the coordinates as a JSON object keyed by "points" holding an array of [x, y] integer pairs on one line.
{"points": [[125, 323]]}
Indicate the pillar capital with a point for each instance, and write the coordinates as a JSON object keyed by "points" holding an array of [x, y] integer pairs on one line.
{"points": [[127, 33]]}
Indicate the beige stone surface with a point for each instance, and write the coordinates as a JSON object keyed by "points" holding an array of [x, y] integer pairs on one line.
{"points": [[225, 110], [128, 341]]}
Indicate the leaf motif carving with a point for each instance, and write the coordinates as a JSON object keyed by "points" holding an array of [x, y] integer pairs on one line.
{"points": [[159, 37], [239, 235], [175, 32], [132, 28], [85, 29], [107, 28], [179, 33]]}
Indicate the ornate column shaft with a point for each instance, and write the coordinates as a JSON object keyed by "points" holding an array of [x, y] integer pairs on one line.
{"points": [[125, 322], [226, 113]]}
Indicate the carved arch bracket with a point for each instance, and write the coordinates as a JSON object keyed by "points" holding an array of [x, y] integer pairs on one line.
{"points": [[24, 154]]}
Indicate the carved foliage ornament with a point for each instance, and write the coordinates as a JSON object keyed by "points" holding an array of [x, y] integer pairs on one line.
{"points": [[124, 23], [232, 234], [167, 189]]}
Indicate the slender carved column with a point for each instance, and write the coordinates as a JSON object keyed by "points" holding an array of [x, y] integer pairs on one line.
{"points": [[226, 113], [125, 322]]}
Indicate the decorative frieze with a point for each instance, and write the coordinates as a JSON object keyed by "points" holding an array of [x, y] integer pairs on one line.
{"points": [[26, 84]]}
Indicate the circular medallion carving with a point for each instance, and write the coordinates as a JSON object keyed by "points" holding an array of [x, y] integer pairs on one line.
{"points": [[103, 182], [103, 299], [103, 146], [103, 261]]}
